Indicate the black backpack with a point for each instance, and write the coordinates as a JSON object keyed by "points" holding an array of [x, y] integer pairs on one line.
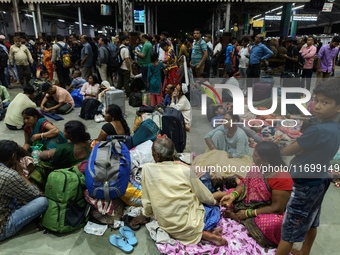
{"points": [[3, 57], [222, 56], [89, 108], [115, 59], [301, 61]]}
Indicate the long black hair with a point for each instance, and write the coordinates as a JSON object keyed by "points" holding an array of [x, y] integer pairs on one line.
{"points": [[116, 113], [77, 131], [32, 112], [270, 152]]}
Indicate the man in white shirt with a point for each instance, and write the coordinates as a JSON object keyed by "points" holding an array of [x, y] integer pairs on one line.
{"points": [[243, 57], [124, 70], [14, 119], [178, 203]]}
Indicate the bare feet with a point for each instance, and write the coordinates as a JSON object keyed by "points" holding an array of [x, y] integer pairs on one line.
{"points": [[217, 231], [211, 237], [231, 215]]}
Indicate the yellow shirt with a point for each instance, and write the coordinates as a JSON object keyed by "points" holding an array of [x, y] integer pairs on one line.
{"points": [[174, 195]]}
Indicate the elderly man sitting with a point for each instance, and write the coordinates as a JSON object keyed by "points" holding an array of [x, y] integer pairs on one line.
{"points": [[174, 195]]}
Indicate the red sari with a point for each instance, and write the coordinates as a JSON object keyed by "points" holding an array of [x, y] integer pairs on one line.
{"points": [[265, 228]]}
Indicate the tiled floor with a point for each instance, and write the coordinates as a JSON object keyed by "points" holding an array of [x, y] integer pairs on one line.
{"points": [[32, 241]]}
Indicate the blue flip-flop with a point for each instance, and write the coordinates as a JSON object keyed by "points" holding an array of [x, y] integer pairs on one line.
{"points": [[129, 235], [119, 242]]}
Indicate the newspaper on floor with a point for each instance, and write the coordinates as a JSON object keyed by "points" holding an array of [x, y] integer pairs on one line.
{"points": [[95, 229]]}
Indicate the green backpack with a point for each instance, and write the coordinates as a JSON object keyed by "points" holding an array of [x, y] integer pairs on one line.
{"points": [[67, 207]]}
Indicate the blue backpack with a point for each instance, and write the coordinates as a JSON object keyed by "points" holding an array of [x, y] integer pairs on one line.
{"points": [[108, 170]]}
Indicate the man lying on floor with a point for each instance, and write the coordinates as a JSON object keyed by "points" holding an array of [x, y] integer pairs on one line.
{"points": [[174, 195]]}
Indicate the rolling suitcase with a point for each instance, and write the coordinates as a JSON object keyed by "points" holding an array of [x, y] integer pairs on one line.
{"points": [[262, 91], [117, 97], [173, 126], [147, 130]]}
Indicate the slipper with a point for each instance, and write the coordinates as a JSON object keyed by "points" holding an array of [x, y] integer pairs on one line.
{"points": [[129, 235], [119, 242], [127, 219]]}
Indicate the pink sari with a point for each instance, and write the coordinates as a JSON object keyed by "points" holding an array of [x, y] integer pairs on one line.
{"points": [[265, 228]]}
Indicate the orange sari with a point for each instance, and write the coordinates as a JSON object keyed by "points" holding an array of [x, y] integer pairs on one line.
{"points": [[48, 63]]}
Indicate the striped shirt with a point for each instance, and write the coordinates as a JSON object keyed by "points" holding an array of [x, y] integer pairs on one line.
{"points": [[197, 52]]}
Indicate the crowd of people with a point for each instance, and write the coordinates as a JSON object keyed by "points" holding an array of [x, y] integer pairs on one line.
{"points": [[277, 208]]}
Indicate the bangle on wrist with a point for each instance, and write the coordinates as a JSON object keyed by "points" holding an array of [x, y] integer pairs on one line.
{"points": [[235, 194], [42, 135], [255, 212]]}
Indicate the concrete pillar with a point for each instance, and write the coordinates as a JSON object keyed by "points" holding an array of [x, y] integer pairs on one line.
{"points": [[16, 18], [246, 23], [80, 21], [285, 19], [227, 18], [38, 10], [293, 28]]}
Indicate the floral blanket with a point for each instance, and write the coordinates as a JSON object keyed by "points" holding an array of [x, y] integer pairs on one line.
{"points": [[239, 243]]}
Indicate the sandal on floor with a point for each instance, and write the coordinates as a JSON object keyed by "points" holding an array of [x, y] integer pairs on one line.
{"points": [[119, 242], [129, 235]]}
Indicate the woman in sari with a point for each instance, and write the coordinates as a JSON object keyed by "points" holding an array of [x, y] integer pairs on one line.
{"points": [[39, 130], [260, 200], [48, 61], [64, 155], [173, 72]]}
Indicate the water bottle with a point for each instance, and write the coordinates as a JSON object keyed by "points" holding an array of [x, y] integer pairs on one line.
{"points": [[36, 153]]}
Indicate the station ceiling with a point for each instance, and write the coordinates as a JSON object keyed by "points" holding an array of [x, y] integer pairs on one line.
{"points": [[175, 15]]}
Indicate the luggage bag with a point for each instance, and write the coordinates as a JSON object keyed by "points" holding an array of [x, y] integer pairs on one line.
{"points": [[117, 97]]}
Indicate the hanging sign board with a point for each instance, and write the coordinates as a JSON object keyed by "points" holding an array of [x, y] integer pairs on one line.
{"points": [[272, 17], [258, 23], [327, 7], [305, 17]]}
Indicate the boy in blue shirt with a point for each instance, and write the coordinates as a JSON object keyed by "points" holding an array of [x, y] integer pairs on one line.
{"points": [[313, 150]]}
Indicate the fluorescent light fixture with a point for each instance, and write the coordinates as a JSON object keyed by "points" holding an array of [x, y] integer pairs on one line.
{"points": [[92, 25], [279, 13], [61, 20], [100, 31], [85, 25], [4, 12], [298, 7], [260, 18], [257, 16], [278, 8], [29, 15], [76, 23]]}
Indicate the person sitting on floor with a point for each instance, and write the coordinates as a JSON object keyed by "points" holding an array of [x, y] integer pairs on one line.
{"points": [[177, 204], [39, 129], [169, 89], [64, 155], [13, 119], [181, 103], [260, 200], [56, 99], [4, 96], [228, 137], [20, 201], [77, 81], [91, 88], [116, 124]]}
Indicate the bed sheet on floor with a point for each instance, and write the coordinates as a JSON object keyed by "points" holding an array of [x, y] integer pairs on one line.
{"points": [[239, 243]]}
